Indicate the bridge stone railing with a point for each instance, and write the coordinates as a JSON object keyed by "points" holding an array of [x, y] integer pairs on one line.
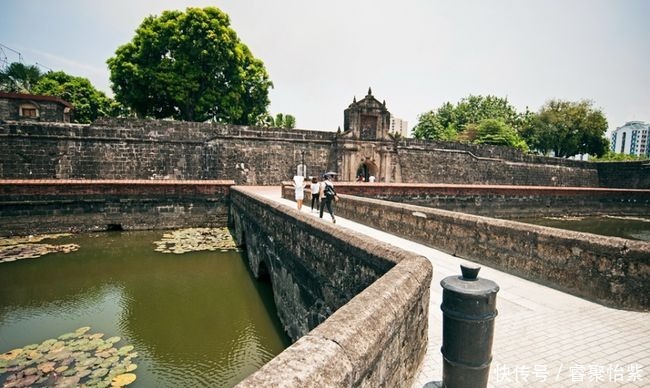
{"points": [[357, 308], [608, 270]]}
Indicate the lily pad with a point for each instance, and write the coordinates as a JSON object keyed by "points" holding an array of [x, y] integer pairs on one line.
{"points": [[113, 340], [10, 355], [196, 239], [26, 381], [69, 381], [124, 350], [101, 372], [123, 380], [67, 361], [66, 336], [46, 367], [82, 330], [30, 250], [70, 372], [83, 373]]}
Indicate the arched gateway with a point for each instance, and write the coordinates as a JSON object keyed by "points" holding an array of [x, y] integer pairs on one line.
{"points": [[366, 147]]}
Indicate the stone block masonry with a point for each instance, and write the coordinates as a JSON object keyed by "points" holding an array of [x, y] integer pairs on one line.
{"points": [[510, 201], [48, 206], [608, 270], [357, 309], [150, 149], [132, 149]]}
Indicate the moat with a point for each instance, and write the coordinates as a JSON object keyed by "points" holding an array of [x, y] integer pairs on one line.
{"points": [[633, 228], [195, 319]]}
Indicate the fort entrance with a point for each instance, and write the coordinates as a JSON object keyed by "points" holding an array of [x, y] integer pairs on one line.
{"points": [[367, 149]]}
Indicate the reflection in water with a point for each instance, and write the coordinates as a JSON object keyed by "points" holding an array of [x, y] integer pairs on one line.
{"points": [[195, 319], [633, 228]]}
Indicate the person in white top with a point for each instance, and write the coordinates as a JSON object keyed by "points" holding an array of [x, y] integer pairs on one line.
{"points": [[371, 179], [315, 193], [299, 186]]}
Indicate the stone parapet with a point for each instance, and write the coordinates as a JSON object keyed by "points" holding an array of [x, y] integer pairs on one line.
{"points": [[607, 270], [509, 201]]}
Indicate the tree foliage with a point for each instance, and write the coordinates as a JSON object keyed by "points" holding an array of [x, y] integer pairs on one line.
{"points": [[567, 128], [289, 121], [450, 121], [89, 103], [190, 66], [497, 132], [281, 120], [19, 78], [611, 156]]}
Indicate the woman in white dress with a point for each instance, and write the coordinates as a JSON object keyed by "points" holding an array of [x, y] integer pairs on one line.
{"points": [[299, 185]]}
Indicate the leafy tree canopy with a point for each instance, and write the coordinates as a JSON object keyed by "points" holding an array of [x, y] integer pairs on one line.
{"points": [[449, 121], [497, 132], [89, 103], [190, 66], [567, 128], [281, 120], [611, 156], [19, 78]]}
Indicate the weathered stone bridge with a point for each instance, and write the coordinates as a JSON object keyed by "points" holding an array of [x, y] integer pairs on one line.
{"points": [[357, 307]]}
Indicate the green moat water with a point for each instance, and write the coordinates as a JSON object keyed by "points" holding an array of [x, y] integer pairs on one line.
{"points": [[196, 319], [634, 228]]}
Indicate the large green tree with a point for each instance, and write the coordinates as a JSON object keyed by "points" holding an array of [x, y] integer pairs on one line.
{"points": [[567, 128], [88, 102], [450, 121], [19, 78], [497, 132], [190, 66]]}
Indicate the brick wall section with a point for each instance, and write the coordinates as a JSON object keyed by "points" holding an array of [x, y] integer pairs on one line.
{"points": [[357, 308], [46, 206], [131, 149], [608, 270], [624, 174], [509, 201], [435, 165], [150, 149]]}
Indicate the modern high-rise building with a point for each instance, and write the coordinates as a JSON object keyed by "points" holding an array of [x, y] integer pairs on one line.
{"points": [[400, 126], [631, 138]]}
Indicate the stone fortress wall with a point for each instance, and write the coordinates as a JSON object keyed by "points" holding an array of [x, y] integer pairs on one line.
{"points": [[148, 149], [53, 206]]}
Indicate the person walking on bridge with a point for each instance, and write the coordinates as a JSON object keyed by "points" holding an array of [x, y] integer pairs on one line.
{"points": [[315, 194], [327, 195]]}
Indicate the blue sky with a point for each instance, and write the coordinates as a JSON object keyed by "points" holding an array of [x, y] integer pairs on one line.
{"points": [[415, 55]]}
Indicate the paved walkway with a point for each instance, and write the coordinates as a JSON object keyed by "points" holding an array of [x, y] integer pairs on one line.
{"points": [[543, 337]]}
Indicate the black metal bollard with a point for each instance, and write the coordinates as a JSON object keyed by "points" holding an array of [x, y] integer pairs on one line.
{"points": [[469, 309]]}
